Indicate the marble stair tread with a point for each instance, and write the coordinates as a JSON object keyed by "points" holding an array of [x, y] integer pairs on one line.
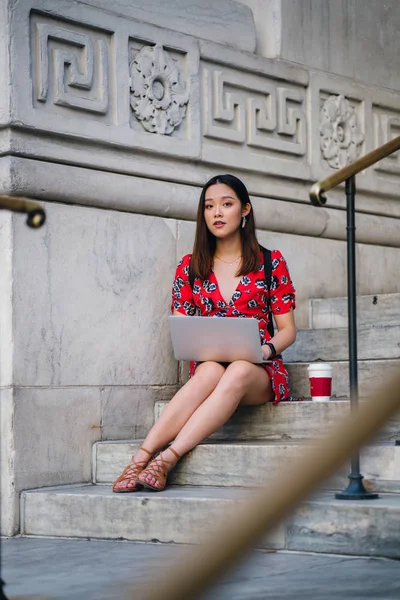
{"points": [[380, 342], [181, 515], [289, 421], [371, 310], [178, 514], [248, 464], [372, 374]]}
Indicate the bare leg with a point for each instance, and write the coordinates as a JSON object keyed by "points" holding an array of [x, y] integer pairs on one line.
{"points": [[242, 381], [178, 411]]}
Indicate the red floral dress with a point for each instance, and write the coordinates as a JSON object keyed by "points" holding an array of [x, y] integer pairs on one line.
{"points": [[249, 300]]}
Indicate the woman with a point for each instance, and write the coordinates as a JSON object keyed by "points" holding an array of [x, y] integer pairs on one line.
{"points": [[223, 277]]}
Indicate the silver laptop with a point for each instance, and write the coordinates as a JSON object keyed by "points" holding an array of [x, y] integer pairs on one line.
{"points": [[222, 339]]}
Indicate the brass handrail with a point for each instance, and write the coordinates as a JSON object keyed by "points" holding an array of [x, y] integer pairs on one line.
{"points": [[36, 214], [317, 196]]}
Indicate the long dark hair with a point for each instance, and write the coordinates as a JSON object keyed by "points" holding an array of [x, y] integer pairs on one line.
{"points": [[205, 242]]}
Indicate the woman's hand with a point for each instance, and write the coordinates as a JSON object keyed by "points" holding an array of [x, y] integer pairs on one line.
{"points": [[266, 352], [284, 337]]}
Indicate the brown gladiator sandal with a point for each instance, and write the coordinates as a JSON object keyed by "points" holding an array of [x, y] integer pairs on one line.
{"points": [[130, 474], [157, 469]]}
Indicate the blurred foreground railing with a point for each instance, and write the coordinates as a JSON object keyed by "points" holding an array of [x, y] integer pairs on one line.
{"points": [[36, 214]]}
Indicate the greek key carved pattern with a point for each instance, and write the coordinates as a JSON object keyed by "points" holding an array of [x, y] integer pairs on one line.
{"points": [[386, 127], [80, 73], [237, 113]]}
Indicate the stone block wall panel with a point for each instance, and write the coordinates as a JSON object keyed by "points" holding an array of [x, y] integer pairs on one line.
{"points": [[8, 500], [362, 41], [4, 70], [355, 39], [6, 299], [98, 285], [54, 432], [128, 411], [9, 514]]}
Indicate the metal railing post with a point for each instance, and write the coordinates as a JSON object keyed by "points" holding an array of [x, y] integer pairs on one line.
{"points": [[355, 489], [318, 198]]}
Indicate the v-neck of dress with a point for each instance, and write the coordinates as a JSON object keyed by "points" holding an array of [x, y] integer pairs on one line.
{"points": [[231, 301]]}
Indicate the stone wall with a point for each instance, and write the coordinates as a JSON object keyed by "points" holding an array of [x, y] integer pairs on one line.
{"points": [[114, 124], [352, 38]]}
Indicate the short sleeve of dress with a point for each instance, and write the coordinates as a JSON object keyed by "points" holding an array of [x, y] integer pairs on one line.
{"points": [[282, 292], [182, 293]]}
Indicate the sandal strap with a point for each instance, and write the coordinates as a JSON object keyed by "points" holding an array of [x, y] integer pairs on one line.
{"points": [[145, 450], [174, 452], [131, 472], [157, 467], [133, 466]]}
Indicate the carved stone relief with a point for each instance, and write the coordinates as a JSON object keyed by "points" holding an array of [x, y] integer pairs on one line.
{"points": [[71, 68], [340, 134], [158, 96], [386, 127], [255, 112]]}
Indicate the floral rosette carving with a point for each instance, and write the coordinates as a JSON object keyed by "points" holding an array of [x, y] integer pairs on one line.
{"points": [[158, 97], [341, 136]]}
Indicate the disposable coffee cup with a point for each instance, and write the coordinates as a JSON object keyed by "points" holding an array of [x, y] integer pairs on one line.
{"points": [[320, 375]]}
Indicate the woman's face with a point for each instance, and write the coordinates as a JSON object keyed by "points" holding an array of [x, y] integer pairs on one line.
{"points": [[223, 211]]}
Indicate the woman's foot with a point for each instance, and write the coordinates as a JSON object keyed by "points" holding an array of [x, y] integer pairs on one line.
{"points": [[127, 481], [154, 476]]}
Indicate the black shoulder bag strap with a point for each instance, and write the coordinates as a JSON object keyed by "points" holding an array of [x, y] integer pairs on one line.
{"points": [[191, 274], [268, 277]]}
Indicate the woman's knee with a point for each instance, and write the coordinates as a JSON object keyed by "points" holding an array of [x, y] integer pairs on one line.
{"points": [[240, 372], [210, 370]]}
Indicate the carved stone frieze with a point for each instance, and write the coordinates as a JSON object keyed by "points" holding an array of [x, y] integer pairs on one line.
{"points": [[387, 127], [340, 134], [255, 112], [158, 96], [71, 68]]}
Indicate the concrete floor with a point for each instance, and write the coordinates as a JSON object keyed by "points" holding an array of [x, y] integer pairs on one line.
{"points": [[86, 569]]}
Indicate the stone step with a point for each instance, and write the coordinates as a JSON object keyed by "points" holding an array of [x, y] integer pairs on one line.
{"points": [[289, 421], [181, 515], [247, 464], [323, 524], [372, 374], [371, 310], [380, 342]]}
